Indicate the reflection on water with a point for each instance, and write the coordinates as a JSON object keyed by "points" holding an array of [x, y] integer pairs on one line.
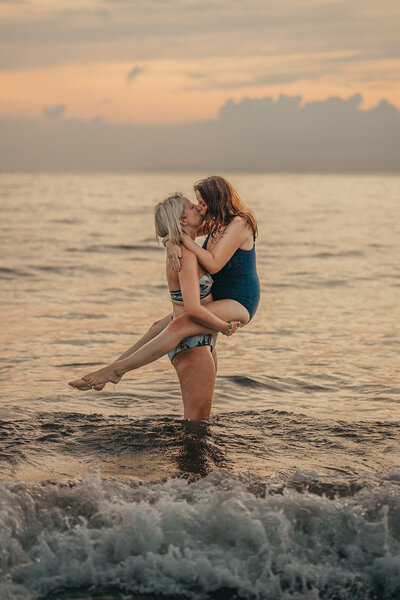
{"points": [[291, 490], [83, 277]]}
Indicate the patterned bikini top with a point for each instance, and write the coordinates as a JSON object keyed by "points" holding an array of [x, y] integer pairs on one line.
{"points": [[205, 282]]}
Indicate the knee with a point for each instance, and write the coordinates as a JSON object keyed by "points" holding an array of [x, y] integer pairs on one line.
{"points": [[178, 323], [156, 325]]}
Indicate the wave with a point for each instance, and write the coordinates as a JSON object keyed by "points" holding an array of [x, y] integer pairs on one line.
{"points": [[225, 536]]}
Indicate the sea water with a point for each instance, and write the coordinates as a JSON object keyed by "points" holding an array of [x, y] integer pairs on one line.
{"points": [[291, 490]]}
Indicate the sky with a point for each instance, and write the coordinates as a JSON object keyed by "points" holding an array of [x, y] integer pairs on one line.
{"points": [[169, 61], [81, 68]]}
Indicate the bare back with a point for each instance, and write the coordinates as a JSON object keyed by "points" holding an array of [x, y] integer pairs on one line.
{"points": [[174, 284]]}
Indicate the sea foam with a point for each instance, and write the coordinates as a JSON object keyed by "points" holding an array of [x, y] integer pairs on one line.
{"points": [[256, 537]]}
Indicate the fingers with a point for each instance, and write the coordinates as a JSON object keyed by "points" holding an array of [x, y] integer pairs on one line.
{"points": [[175, 263], [235, 325]]}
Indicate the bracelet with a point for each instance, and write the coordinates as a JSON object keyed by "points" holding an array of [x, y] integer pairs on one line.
{"points": [[229, 328]]}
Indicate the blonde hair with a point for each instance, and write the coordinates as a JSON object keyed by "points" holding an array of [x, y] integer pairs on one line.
{"points": [[166, 217]]}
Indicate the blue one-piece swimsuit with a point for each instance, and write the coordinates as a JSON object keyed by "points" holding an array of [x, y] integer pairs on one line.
{"points": [[238, 280]]}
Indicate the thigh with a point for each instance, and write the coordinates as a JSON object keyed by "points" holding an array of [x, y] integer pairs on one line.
{"points": [[228, 310], [196, 372]]}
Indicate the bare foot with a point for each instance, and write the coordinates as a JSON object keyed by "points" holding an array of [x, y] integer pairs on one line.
{"points": [[103, 376], [79, 384]]}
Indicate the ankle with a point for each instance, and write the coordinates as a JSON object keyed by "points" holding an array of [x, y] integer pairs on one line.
{"points": [[120, 371]]}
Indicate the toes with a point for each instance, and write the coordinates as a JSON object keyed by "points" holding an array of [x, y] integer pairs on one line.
{"points": [[79, 384]]}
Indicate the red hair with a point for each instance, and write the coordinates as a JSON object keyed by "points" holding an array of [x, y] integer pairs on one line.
{"points": [[223, 204]]}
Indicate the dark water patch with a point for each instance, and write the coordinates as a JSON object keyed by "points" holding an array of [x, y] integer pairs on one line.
{"points": [[277, 285], [268, 440], [279, 332], [264, 382], [8, 273], [73, 316], [350, 253], [78, 364], [377, 389], [332, 283], [68, 270], [246, 381], [99, 248], [76, 342], [66, 221], [283, 384], [385, 399]]}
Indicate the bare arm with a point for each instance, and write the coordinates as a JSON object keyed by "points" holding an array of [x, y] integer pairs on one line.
{"points": [[174, 251], [232, 238], [189, 283]]}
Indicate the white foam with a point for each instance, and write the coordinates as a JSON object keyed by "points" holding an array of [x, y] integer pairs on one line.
{"points": [[186, 539], [394, 474]]}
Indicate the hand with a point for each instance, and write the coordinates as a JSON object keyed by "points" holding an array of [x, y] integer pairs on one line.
{"points": [[235, 325], [174, 254]]}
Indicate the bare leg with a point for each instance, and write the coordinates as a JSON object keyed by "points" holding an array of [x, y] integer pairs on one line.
{"points": [[154, 330], [167, 340], [196, 372]]}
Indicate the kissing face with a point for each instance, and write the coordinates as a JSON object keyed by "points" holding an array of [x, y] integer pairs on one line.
{"points": [[193, 216], [202, 206]]}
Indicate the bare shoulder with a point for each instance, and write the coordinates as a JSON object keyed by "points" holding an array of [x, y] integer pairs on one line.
{"points": [[238, 222], [238, 225]]}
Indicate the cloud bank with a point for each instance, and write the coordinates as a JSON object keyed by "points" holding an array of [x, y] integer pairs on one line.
{"points": [[252, 135], [54, 111]]}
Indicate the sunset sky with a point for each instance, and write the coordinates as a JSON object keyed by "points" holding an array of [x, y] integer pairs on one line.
{"points": [[170, 61]]}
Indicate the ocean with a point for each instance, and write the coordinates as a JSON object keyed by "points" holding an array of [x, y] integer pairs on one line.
{"points": [[291, 490]]}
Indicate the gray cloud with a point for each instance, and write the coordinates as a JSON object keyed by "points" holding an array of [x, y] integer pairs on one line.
{"points": [[54, 111], [187, 29], [252, 135], [133, 73], [272, 79]]}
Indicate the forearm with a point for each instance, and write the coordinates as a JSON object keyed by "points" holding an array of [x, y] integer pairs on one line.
{"points": [[205, 258], [207, 319], [154, 330]]}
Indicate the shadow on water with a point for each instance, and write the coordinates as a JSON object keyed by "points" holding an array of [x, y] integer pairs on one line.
{"points": [[197, 454], [141, 448], [59, 445]]}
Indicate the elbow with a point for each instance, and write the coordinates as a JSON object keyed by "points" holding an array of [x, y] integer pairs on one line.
{"points": [[213, 269]]}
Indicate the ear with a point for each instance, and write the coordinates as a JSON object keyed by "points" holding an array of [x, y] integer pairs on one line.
{"points": [[182, 221]]}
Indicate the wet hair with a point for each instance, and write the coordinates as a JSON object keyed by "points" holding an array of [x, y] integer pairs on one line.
{"points": [[223, 204], [166, 217]]}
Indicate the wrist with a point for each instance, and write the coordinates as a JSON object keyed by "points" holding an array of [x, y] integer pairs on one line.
{"points": [[229, 328]]}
